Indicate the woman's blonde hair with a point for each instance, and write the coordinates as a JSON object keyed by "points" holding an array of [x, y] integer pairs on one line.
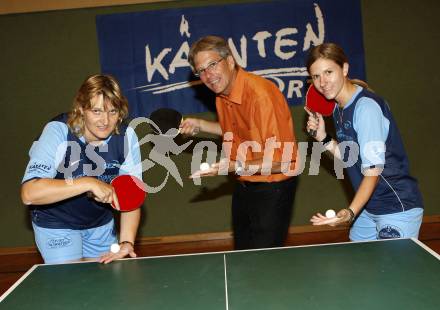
{"points": [[105, 85]]}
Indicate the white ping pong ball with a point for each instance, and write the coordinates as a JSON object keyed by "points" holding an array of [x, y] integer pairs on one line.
{"points": [[114, 248], [204, 166], [330, 213]]}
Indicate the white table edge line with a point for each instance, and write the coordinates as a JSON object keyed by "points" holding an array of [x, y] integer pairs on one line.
{"points": [[426, 248], [5, 294], [226, 282]]}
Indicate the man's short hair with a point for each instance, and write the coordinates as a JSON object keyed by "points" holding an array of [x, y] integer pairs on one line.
{"points": [[209, 43]]}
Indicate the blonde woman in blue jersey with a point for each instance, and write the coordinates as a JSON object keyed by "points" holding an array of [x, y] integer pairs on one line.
{"points": [[387, 202], [66, 182]]}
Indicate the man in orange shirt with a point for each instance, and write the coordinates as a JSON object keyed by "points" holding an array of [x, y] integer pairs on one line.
{"points": [[254, 118]]}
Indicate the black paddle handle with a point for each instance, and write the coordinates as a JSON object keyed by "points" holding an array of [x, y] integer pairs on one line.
{"points": [[312, 132]]}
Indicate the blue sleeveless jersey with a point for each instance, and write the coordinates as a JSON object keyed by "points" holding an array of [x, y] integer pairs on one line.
{"points": [[396, 190], [59, 154]]}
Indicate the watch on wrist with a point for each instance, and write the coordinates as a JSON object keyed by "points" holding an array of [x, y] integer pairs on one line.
{"points": [[126, 242], [352, 216], [326, 140]]}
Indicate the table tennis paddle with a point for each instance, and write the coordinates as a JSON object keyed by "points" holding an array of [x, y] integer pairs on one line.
{"points": [[130, 192], [165, 119], [317, 103]]}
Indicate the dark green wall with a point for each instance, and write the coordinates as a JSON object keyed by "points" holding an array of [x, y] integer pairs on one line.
{"points": [[44, 57]]}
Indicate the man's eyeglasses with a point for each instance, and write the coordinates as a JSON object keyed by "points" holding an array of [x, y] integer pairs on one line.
{"points": [[209, 68]]}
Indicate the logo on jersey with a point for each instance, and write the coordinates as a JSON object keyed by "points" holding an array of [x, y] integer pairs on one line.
{"points": [[57, 243], [347, 125], [390, 232]]}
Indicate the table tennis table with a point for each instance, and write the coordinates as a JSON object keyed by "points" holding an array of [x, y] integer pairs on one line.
{"points": [[389, 274]]}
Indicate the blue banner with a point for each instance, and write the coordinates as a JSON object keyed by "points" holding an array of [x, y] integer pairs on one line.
{"points": [[147, 51]]}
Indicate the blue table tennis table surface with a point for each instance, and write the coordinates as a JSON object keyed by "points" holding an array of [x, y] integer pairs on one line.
{"points": [[391, 274]]}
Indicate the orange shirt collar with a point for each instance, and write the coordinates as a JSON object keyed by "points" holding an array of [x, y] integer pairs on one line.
{"points": [[237, 88]]}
